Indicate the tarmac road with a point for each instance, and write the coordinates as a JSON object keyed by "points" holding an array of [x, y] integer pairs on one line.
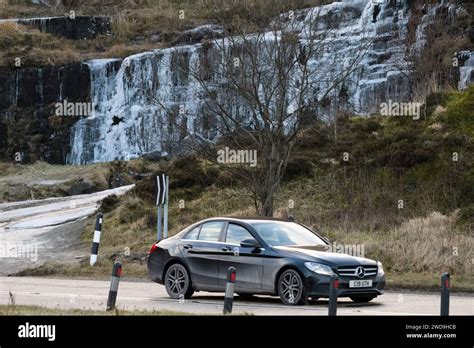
{"points": [[35, 231], [132, 295]]}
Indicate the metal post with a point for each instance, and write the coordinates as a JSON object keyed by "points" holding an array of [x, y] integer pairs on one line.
{"points": [[445, 285], [165, 218], [158, 224], [333, 289], [116, 274], [96, 241], [229, 290]]}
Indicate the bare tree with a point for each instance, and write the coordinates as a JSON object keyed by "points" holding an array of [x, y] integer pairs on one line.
{"points": [[260, 89]]}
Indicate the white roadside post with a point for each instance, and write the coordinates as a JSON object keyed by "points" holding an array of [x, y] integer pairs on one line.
{"points": [[96, 241], [114, 284], [158, 223], [165, 218], [162, 206], [229, 290]]}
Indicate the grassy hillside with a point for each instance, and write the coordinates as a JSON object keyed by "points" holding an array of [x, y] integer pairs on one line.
{"points": [[137, 26], [427, 164]]}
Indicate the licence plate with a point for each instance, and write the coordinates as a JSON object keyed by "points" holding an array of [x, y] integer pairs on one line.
{"points": [[360, 283]]}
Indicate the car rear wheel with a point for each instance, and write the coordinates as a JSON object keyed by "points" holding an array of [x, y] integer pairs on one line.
{"points": [[177, 282], [362, 299], [291, 288]]}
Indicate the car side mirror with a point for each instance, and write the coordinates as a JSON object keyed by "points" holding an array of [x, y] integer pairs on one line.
{"points": [[250, 243]]}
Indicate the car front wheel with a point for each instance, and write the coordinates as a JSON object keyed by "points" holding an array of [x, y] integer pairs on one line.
{"points": [[177, 282], [291, 288], [362, 299]]}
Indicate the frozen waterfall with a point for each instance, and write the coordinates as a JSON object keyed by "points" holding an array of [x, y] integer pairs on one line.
{"points": [[147, 102]]}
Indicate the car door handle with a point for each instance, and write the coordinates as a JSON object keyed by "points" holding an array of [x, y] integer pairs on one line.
{"points": [[226, 248], [187, 246]]}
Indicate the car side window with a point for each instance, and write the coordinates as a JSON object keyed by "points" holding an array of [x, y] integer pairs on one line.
{"points": [[210, 231], [236, 234], [193, 234]]}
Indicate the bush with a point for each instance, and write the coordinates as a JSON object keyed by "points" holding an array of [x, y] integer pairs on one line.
{"points": [[459, 114], [466, 215], [298, 165], [10, 33], [109, 203], [131, 210]]}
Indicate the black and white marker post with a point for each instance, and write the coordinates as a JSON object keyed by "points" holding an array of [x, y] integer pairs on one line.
{"points": [[114, 284], [162, 188], [96, 241], [445, 285], [165, 214], [229, 290], [333, 290]]}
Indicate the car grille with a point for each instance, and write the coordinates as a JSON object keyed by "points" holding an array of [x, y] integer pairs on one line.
{"points": [[352, 271]]}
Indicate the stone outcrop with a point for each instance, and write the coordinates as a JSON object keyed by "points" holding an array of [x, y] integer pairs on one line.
{"points": [[27, 110], [77, 28]]}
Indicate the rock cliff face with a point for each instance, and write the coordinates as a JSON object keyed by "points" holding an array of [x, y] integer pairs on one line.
{"points": [[27, 110], [128, 122], [122, 88]]}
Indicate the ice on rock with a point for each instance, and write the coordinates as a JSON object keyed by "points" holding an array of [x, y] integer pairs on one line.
{"points": [[467, 71], [160, 104]]}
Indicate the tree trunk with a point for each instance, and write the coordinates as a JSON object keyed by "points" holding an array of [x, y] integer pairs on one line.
{"points": [[267, 204], [273, 171]]}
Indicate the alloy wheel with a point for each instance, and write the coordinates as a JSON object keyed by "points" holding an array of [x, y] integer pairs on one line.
{"points": [[177, 282], [291, 288]]}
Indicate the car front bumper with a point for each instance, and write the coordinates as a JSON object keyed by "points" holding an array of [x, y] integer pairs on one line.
{"points": [[317, 285]]}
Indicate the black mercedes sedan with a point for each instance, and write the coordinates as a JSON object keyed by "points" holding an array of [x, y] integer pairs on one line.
{"points": [[271, 257]]}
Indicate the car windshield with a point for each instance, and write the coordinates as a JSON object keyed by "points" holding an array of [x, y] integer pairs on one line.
{"points": [[277, 233]]}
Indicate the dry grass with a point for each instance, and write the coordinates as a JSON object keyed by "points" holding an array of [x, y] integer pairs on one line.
{"points": [[37, 310], [132, 269], [10, 34], [42, 180], [431, 244], [10, 29], [33, 47], [45, 56], [26, 174], [463, 283], [124, 50]]}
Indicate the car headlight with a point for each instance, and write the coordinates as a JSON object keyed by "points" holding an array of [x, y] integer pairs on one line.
{"points": [[318, 268], [380, 268]]}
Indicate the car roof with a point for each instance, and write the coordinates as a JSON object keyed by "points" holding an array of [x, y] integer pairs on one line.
{"points": [[246, 219]]}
